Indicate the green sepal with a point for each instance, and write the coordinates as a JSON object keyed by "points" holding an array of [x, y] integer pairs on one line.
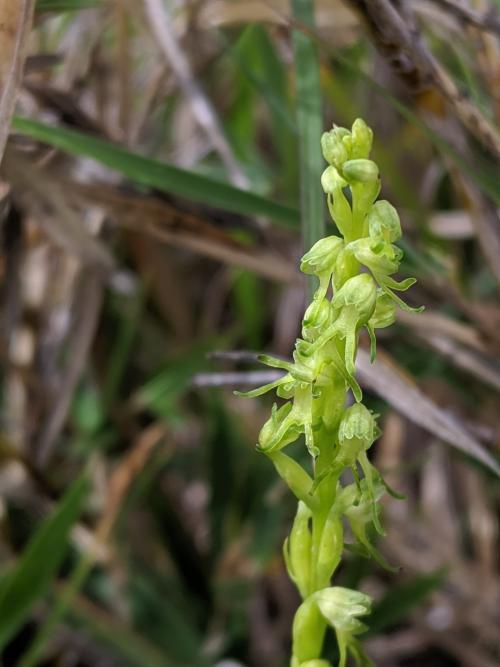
{"points": [[401, 286], [402, 304], [252, 393], [373, 342]]}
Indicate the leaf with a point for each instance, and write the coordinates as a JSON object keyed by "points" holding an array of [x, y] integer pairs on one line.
{"points": [[66, 5], [310, 125], [39, 562], [15, 25], [155, 174]]}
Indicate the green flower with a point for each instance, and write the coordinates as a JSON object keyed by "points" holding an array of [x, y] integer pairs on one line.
{"points": [[377, 255], [357, 431], [320, 259], [341, 608], [360, 506], [283, 427], [319, 315], [383, 258], [383, 221]]}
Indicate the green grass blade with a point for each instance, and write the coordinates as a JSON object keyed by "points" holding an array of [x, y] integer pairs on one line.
{"points": [[39, 563], [310, 125], [66, 5], [155, 174]]}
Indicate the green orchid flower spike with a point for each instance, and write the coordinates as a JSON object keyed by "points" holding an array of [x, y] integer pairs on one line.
{"points": [[355, 291]]}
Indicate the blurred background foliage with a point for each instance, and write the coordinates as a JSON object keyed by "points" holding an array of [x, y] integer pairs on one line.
{"points": [[151, 225]]}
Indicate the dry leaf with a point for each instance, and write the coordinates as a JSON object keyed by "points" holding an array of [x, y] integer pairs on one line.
{"points": [[390, 382], [15, 24]]}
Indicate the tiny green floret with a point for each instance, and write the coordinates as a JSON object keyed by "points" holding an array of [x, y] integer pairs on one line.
{"points": [[355, 292]]}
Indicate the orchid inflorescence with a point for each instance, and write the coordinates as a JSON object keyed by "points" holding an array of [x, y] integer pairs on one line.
{"points": [[358, 267]]}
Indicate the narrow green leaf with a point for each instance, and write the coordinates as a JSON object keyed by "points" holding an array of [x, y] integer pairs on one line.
{"points": [[310, 125], [154, 174], [39, 563], [66, 5]]}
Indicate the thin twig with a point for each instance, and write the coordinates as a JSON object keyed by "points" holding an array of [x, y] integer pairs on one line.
{"points": [[15, 25], [397, 38], [403, 44], [235, 378], [161, 26], [487, 21], [89, 304]]}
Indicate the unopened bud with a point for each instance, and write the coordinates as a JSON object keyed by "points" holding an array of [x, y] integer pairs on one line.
{"points": [[362, 138], [360, 171], [333, 146]]}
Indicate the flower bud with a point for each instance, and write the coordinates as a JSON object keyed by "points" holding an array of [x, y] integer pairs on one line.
{"points": [[359, 291], [321, 257], [318, 316], [383, 221], [332, 181], [362, 138], [334, 149], [342, 606], [360, 171]]}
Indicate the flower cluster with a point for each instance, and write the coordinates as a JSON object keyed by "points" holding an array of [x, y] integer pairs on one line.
{"points": [[355, 291]]}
